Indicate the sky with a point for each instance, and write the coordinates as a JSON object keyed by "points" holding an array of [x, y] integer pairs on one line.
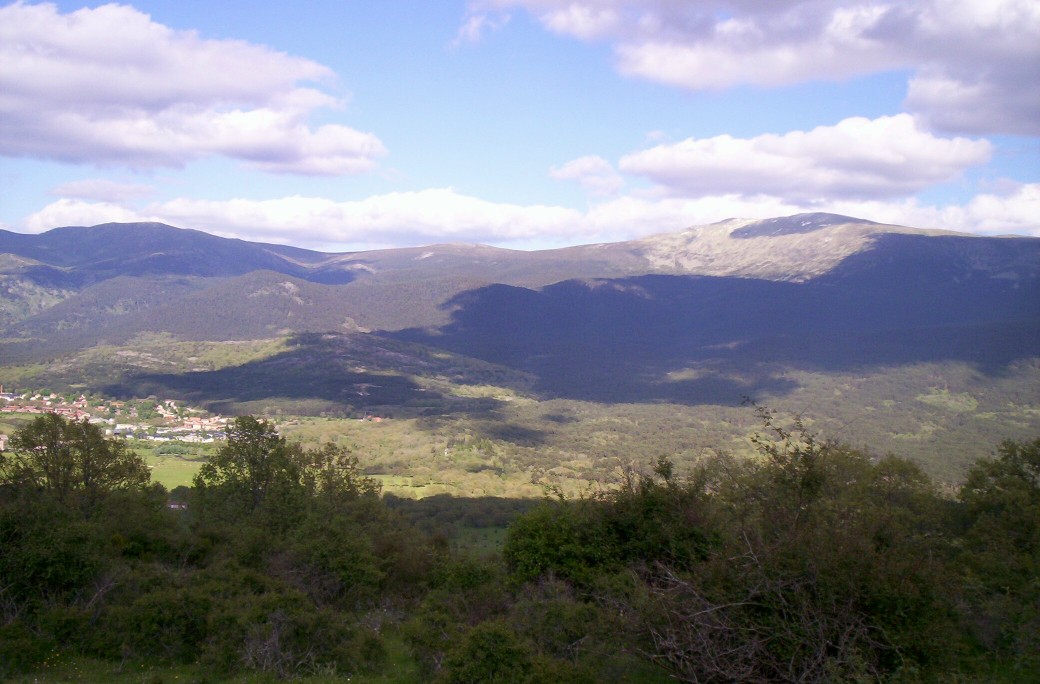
{"points": [[346, 125]]}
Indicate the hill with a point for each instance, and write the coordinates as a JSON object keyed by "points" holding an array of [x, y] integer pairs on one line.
{"points": [[109, 250]]}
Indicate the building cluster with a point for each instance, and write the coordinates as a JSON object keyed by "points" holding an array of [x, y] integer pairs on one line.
{"points": [[171, 421], [38, 403]]}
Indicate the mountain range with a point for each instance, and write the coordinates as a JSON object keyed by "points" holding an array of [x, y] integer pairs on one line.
{"points": [[708, 314]]}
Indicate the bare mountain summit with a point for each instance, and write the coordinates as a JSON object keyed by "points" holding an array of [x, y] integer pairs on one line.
{"points": [[792, 248]]}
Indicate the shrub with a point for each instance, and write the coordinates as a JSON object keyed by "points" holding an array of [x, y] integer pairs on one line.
{"points": [[490, 652]]}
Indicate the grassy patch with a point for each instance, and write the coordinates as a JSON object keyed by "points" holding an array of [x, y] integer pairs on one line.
{"points": [[481, 541], [957, 402], [171, 471]]}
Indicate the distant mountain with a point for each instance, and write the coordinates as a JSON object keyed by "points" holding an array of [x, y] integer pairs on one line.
{"points": [[110, 250], [907, 299], [813, 288]]}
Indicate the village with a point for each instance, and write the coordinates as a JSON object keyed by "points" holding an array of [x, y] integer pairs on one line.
{"points": [[159, 420]]}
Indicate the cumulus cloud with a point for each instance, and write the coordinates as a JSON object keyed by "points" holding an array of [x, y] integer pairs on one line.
{"points": [[399, 218], [855, 159], [587, 21], [973, 61], [593, 173], [110, 86], [1014, 212], [78, 212], [415, 218], [977, 67], [440, 214]]}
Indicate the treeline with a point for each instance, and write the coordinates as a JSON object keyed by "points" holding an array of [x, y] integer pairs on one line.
{"points": [[811, 563]]}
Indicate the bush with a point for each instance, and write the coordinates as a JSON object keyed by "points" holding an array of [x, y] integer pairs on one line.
{"points": [[489, 653], [565, 539], [47, 556], [467, 594], [22, 649]]}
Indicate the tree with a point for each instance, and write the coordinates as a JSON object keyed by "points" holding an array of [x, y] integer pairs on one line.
{"points": [[258, 469], [1002, 497], [1001, 550], [253, 462], [333, 473], [71, 461]]}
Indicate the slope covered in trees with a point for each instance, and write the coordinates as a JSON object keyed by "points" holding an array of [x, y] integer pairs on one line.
{"points": [[812, 563]]}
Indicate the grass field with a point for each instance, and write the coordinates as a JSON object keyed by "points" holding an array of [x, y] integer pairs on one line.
{"points": [[171, 471]]}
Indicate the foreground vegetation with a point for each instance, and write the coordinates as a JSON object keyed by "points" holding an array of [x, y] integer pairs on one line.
{"points": [[812, 562]]}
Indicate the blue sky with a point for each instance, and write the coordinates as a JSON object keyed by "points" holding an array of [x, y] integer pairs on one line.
{"points": [[519, 123]]}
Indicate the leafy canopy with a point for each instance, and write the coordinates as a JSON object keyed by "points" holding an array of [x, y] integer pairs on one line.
{"points": [[71, 461], [257, 469]]}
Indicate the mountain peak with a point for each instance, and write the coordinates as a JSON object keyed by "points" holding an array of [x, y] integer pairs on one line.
{"points": [[783, 248], [799, 223]]}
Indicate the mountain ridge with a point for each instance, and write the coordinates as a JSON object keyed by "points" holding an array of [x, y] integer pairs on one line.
{"points": [[780, 249], [77, 286]]}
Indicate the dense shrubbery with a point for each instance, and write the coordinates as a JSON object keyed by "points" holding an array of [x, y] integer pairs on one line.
{"points": [[814, 562]]}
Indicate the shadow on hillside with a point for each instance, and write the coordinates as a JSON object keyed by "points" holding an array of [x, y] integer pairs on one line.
{"points": [[348, 374], [709, 340]]}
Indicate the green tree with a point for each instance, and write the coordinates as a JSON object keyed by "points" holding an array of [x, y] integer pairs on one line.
{"points": [[1001, 553], [254, 462], [332, 473], [71, 461], [256, 468], [1002, 497], [564, 538]]}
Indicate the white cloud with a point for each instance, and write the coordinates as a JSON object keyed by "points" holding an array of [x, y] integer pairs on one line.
{"points": [[1016, 212], [437, 215], [975, 105], [587, 21], [400, 218], [1012, 212], [763, 49], [977, 64], [101, 189], [855, 159], [593, 173], [415, 218], [110, 86], [974, 62], [77, 212], [433, 215], [476, 25]]}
